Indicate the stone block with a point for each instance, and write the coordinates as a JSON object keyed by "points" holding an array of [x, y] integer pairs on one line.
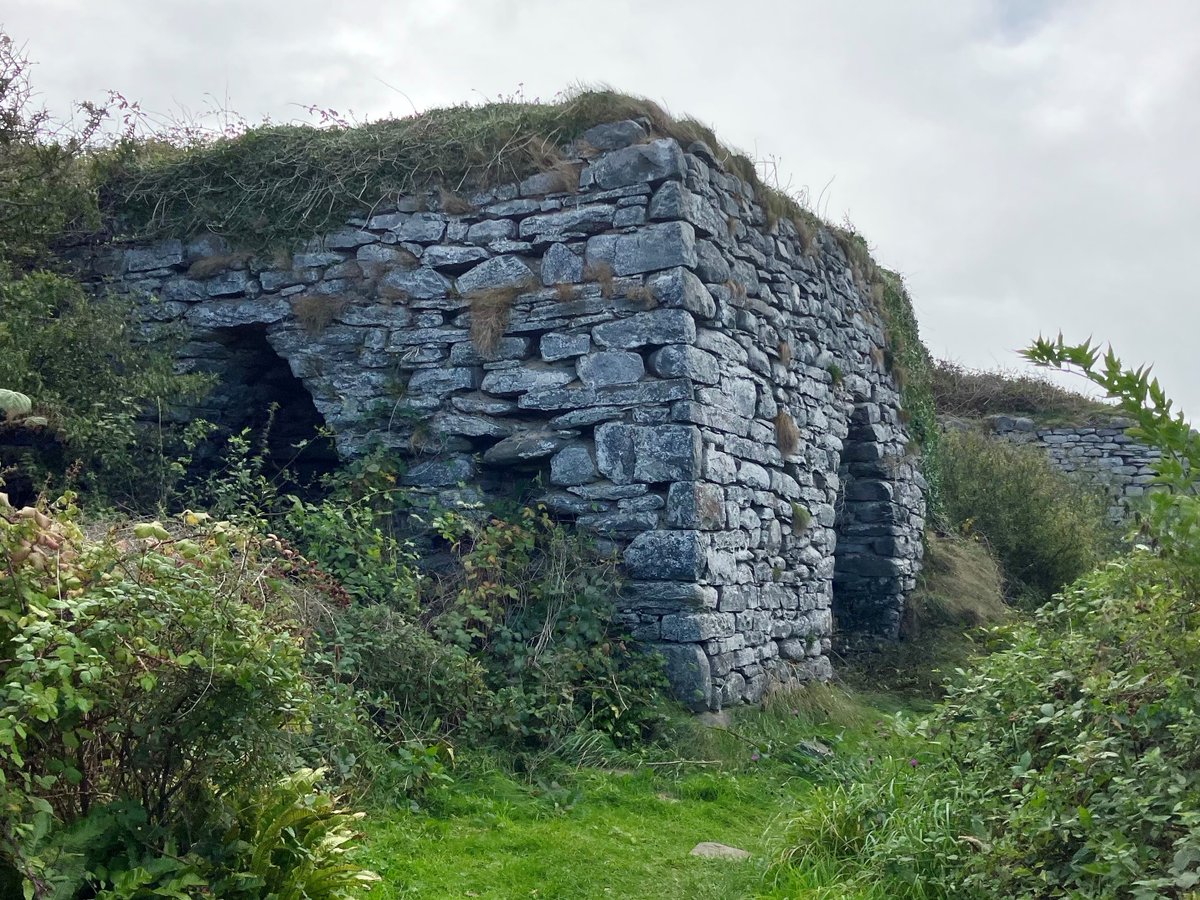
{"points": [[560, 265], [695, 504], [685, 361], [665, 556], [656, 327], [610, 367], [501, 272], [650, 454], [555, 346], [572, 466], [650, 162], [688, 672]]}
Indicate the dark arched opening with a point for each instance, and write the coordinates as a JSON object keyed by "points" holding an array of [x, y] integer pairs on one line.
{"points": [[868, 579], [256, 392]]}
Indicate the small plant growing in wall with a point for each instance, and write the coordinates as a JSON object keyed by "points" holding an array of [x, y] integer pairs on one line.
{"points": [[642, 294], [801, 518], [787, 435], [785, 353], [602, 274], [315, 313], [490, 312], [454, 204], [836, 375]]}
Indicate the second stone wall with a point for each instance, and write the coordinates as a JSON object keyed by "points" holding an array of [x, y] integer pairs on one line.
{"points": [[1100, 452]]}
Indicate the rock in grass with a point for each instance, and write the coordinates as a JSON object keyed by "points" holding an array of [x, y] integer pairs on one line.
{"points": [[712, 850]]}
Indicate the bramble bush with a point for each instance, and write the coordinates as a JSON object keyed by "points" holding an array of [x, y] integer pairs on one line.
{"points": [[510, 640]]}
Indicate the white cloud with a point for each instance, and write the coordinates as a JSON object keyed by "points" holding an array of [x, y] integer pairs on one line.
{"points": [[1027, 165]]}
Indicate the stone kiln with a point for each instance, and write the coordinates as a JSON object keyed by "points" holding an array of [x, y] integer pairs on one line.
{"points": [[705, 391]]}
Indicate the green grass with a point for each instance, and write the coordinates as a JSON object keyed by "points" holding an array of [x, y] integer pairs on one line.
{"points": [[625, 828]]}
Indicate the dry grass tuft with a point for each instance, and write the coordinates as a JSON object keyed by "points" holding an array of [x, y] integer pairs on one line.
{"points": [[642, 294], [315, 312], [565, 291], [490, 312], [567, 175], [214, 265], [787, 435], [878, 359], [737, 289], [785, 353], [454, 204], [601, 273]]}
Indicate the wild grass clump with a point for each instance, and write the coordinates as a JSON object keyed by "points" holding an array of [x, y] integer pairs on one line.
{"points": [[787, 435], [601, 273], [973, 393], [490, 312], [316, 312], [1045, 528]]}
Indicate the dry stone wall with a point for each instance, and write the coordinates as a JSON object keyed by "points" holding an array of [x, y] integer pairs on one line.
{"points": [[1100, 452], [704, 390]]}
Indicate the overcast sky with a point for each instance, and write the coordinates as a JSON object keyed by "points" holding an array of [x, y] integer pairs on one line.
{"points": [[1028, 166]]}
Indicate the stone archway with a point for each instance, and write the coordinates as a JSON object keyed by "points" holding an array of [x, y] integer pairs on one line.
{"points": [[873, 556], [257, 391]]}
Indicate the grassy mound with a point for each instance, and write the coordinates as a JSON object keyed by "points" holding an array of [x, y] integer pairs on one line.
{"points": [[973, 393]]}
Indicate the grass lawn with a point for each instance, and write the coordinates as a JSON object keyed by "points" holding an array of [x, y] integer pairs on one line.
{"points": [[603, 831]]}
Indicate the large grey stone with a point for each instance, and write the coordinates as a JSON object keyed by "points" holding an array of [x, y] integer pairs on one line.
{"points": [[162, 255], [696, 504], [420, 284], [520, 379], [453, 259], [679, 287], [697, 626], [648, 249], [650, 162], [685, 361], [613, 135], [576, 220], [688, 672], [674, 201], [572, 466], [443, 381], [641, 393], [665, 556], [555, 346], [439, 473], [484, 233], [658, 326], [651, 454], [501, 272], [524, 447], [231, 313], [610, 367], [561, 266], [422, 228]]}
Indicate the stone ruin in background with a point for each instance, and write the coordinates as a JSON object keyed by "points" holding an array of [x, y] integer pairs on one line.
{"points": [[705, 393]]}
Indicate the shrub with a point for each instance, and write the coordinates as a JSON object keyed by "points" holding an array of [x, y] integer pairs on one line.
{"points": [[1044, 528], [92, 379], [152, 681]]}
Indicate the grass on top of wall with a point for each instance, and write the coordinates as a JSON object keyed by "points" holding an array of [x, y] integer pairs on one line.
{"points": [[973, 393], [276, 185]]}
